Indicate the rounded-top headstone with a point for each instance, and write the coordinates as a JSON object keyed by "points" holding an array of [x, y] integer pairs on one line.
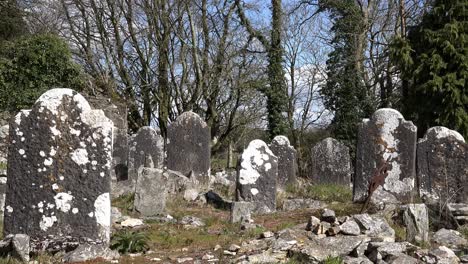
{"points": [[443, 166], [146, 150], [287, 165], [386, 138], [257, 177], [59, 170], [331, 163], [188, 147]]}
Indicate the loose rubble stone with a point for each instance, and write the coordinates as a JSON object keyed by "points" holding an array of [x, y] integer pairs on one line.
{"points": [[443, 166], [287, 166], [387, 136], [59, 164], [385, 250], [191, 222], [132, 222], [444, 255], [450, 238], [89, 252], [312, 223], [190, 195], [188, 147], [331, 162], [328, 216], [295, 204], [116, 215], [256, 180], [150, 194], [241, 211], [416, 219], [375, 227], [267, 257], [359, 260], [350, 227], [20, 247]]}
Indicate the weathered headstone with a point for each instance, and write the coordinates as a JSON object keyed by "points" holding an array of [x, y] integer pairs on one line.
{"points": [[386, 138], [416, 219], [443, 166], [287, 165], [150, 192], [256, 177], [59, 165], [188, 147], [331, 163]]}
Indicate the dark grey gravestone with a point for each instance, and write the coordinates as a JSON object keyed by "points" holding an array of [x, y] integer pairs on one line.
{"points": [[256, 177], [443, 166], [188, 147], [150, 192], [59, 165], [287, 165], [331, 163], [386, 136]]}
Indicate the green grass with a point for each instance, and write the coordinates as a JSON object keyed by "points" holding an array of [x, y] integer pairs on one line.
{"points": [[464, 230], [3, 166], [330, 193], [333, 260], [124, 203]]}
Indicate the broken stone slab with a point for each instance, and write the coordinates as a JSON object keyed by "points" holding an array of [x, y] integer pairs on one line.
{"points": [[191, 222], [256, 179], [116, 215], [328, 215], [450, 238], [16, 246], [443, 254], [321, 228], [386, 250], [375, 227], [188, 147], [88, 252], [267, 257], [287, 165], [296, 204], [59, 163], [359, 260], [312, 223], [442, 166], [331, 163], [150, 192], [241, 211], [350, 227], [132, 222], [416, 220], [386, 136]]}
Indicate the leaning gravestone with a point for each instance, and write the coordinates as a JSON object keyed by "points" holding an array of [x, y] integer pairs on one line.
{"points": [[150, 192], [188, 147], [443, 166], [386, 138], [59, 165], [256, 177], [286, 155], [331, 163]]}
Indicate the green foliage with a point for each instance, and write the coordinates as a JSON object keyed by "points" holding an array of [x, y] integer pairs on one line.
{"points": [[434, 64], [12, 24], [464, 230], [30, 66], [130, 242], [124, 203], [333, 260], [330, 193]]}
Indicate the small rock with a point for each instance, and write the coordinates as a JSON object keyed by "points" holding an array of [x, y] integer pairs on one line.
{"points": [[20, 247], [444, 254], [217, 247], [116, 215], [450, 238], [313, 222], [321, 228], [190, 195], [267, 234], [234, 248], [88, 252], [359, 260], [328, 216], [351, 228], [208, 256], [229, 253], [132, 222], [375, 227], [183, 260], [333, 231], [155, 259], [191, 222]]}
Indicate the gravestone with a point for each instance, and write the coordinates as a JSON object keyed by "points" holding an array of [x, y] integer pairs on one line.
{"points": [[188, 147], [150, 192], [386, 138], [287, 166], [59, 165], [443, 166], [256, 177], [331, 163]]}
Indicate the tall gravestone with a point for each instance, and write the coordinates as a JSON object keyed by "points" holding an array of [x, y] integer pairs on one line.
{"points": [[257, 176], [188, 147], [59, 165], [287, 165], [443, 166], [386, 138], [331, 163]]}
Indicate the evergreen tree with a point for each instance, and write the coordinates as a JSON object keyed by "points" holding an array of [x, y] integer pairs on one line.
{"points": [[345, 92], [12, 24], [434, 67]]}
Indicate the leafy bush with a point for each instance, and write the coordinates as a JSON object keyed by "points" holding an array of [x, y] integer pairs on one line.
{"points": [[130, 242]]}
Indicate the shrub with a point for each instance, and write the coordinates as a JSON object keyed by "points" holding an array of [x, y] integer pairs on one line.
{"points": [[130, 242]]}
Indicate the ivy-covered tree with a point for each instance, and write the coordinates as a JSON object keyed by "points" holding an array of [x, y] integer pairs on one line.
{"points": [[433, 60], [345, 92], [12, 24], [31, 66]]}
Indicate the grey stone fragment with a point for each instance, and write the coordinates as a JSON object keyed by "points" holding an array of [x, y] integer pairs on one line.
{"points": [[402, 259], [359, 260], [188, 147], [256, 179], [375, 227], [267, 257], [191, 222], [287, 165], [328, 216], [59, 164], [443, 166], [450, 238], [241, 211], [312, 223], [150, 194], [386, 250], [416, 219], [386, 136], [331, 163], [444, 255], [87, 252], [116, 215], [351, 228], [296, 204], [20, 247]]}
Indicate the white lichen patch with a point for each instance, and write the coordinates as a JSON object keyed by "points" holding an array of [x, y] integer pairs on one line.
{"points": [[281, 140], [440, 132], [102, 174], [75, 210], [52, 151], [102, 213], [55, 186], [61, 178], [52, 99], [42, 153], [252, 160], [47, 222], [254, 191], [75, 132], [21, 151], [9, 209], [80, 156], [48, 162], [63, 201], [91, 214]]}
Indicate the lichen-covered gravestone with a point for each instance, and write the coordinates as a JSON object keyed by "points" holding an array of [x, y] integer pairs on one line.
{"points": [[331, 163], [256, 177], [287, 166], [150, 192], [188, 147], [443, 166], [59, 165], [386, 138]]}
